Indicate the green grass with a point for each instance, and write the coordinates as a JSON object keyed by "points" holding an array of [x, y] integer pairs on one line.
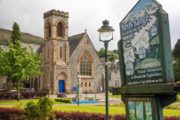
{"points": [[171, 112], [90, 108], [178, 97], [113, 109], [114, 96], [14, 102]]}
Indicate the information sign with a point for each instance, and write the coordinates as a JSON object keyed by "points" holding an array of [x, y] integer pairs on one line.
{"points": [[142, 43]]}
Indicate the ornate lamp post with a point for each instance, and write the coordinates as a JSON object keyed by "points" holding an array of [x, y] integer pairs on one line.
{"points": [[105, 36], [78, 85]]}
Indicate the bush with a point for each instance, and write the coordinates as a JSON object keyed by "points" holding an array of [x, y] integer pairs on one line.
{"points": [[12, 95], [37, 94], [16, 114], [11, 114], [79, 116], [7, 95], [32, 111], [64, 100], [40, 111], [119, 117], [172, 118]]}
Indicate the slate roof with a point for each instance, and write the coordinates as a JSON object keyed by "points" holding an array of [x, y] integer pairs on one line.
{"points": [[74, 41], [5, 36]]}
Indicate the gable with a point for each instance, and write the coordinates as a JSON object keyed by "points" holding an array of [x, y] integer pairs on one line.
{"points": [[85, 44]]}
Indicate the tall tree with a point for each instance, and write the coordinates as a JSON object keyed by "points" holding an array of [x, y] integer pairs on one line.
{"points": [[176, 51], [112, 55], [176, 55], [18, 63], [16, 34]]}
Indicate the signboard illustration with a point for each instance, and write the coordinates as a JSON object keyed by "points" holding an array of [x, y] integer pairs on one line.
{"points": [[146, 62], [140, 108], [141, 44]]}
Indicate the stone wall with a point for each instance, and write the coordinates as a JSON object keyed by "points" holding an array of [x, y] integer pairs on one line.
{"points": [[97, 70]]}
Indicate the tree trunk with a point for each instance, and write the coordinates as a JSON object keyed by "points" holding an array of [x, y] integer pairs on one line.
{"points": [[18, 91]]}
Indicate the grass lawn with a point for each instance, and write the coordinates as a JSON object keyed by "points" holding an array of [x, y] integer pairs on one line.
{"points": [[113, 109], [14, 102], [90, 108], [101, 109]]}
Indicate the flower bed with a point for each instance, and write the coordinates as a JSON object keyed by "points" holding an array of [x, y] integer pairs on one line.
{"points": [[16, 114]]}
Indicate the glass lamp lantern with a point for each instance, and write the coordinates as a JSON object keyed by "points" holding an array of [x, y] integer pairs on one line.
{"points": [[106, 31]]}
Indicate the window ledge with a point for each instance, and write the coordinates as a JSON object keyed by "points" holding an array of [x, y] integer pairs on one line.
{"points": [[86, 76]]}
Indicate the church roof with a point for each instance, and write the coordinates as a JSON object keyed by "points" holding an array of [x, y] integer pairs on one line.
{"points": [[5, 36], [74, 41]]}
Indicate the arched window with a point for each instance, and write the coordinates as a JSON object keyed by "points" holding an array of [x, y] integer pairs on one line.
{"points": [[85, 84], [85, 63], [89, 84], [60, 52], [48, 30], [82, 84], [60, 30], [85, 67], [48, 52]]}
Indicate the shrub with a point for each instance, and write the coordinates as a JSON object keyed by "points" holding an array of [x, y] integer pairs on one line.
{"points": [[16, 114], [64, 100], [11, 114], [119, 117], [172, 118], [12, 95], [7, 95], [37, 94], [32, 111], [40, 111], [79, 116], [45, 107]]}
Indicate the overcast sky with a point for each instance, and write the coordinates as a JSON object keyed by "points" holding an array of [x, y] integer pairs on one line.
{"points": [[84, 14]]}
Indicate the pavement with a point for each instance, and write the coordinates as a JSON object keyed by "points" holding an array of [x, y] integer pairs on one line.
{"points": [[99, 96]]}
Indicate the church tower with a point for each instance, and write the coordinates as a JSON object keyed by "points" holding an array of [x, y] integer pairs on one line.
{"points": [[55, 52]]}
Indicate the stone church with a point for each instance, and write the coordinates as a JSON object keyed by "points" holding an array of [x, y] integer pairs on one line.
{"points": [[67, 61]]}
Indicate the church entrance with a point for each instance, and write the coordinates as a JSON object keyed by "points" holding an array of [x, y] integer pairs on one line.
{"points": [[61, 88]]}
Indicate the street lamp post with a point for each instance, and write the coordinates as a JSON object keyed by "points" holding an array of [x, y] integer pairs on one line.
{"points": [[79, 79], [105, 36]]}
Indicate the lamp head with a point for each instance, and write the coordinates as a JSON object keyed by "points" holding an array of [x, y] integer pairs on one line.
{"points": [[106, 31]]}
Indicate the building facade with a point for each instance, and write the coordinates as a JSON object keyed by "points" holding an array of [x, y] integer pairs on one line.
{"points": [[64, 57], [115, 78], [66, 60]]}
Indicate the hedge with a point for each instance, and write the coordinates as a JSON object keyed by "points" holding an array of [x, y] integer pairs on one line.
{"points": [[64, 100], [12, 95], [16, 114]]}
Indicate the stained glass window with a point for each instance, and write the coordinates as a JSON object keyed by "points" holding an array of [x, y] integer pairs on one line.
{"points": [[85, 67]]}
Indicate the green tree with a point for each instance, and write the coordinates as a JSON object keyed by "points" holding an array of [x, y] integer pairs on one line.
{"points": [[112, 55], [176, 55], [18, 63], [177, 69], [176, 51], [101, 52], [16, 34]]}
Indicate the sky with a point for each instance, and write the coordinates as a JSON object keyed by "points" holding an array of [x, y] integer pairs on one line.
{"points": [[83, 14]]}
